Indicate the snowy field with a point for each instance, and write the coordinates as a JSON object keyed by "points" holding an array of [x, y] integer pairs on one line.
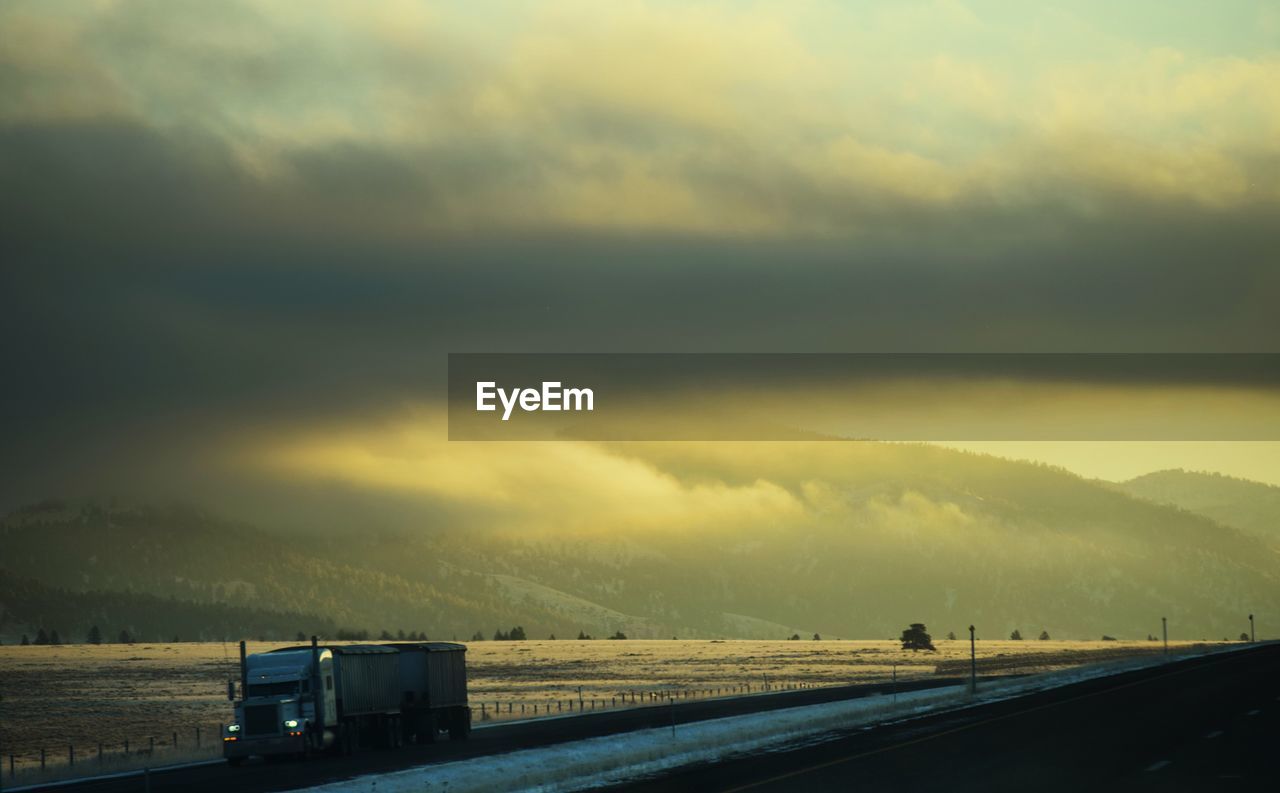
{"points": [[156, 694]]}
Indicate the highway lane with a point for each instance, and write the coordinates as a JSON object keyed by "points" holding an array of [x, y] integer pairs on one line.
{"points": [[258, 777], [1204, 724]]}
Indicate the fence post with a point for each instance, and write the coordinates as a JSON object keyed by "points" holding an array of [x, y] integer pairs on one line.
{"points": [[151, 745], [126, 745], [41, 758], [99, 752], [197, 736], [71, 754], [175, 740]]}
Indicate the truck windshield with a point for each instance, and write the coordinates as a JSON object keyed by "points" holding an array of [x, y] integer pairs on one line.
{"points": [[273, 689]]}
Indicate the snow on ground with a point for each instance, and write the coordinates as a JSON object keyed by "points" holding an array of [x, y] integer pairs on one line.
{"points": [[611, 759]]}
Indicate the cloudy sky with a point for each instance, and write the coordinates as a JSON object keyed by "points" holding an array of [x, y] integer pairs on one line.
{"points": [[235, 232]]}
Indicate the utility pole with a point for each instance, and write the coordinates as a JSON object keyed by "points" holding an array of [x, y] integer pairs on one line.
{"points": [[1164, 627], [1252, 637], [973, 663]]}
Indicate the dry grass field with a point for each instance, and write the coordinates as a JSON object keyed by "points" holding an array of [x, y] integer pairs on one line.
{"points": [[84, 695]]}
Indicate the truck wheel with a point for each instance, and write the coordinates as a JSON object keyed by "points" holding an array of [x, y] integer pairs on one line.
{"points": [[389, 733], [459, 724], [348, 739]]}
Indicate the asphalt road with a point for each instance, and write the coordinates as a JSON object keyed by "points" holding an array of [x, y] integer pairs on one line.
{"points": [[1203, 724], [259, 777]]}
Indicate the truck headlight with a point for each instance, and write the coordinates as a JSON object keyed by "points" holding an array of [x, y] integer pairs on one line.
{"points": [[290, 723], [233, 728]]}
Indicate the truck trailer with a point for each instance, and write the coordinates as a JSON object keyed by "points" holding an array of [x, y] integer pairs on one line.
{"points": [[333, 699]]}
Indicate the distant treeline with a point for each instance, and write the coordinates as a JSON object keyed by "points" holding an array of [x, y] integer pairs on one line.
{"points": [[58, 616]]}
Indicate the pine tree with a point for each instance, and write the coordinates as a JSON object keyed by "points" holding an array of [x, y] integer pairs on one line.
{"points": [[1016, 636], [95, 636], [1044, 636], [25, 641], [53, 638], [125, 637], [916, 638], [42, 637]]}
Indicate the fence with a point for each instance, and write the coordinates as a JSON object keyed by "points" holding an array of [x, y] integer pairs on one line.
{"points": [[65, 760], [493, 709]]}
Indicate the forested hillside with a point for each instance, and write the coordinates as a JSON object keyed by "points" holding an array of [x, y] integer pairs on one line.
{"points": [[1247, 505], [30, 608], [886, 536]]}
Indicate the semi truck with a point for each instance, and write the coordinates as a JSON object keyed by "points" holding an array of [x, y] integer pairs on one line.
{"points": [[334, 699]]}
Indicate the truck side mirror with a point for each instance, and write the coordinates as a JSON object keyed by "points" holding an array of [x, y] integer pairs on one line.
{"points": [[231, 690]]}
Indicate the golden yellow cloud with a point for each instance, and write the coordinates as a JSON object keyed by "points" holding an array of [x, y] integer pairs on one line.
{"points": [[755, 119]]}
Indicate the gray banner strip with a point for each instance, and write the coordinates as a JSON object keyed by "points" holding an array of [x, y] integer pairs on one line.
{"points": [[898, 397]]}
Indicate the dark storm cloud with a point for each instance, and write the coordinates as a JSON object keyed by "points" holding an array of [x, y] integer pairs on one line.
{"points": [[213, 221]]}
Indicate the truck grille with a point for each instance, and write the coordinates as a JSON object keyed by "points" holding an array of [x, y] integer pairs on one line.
{"points": [[261, 720]]}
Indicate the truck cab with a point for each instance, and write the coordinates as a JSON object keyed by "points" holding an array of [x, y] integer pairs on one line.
{"points": [[286, 706]]}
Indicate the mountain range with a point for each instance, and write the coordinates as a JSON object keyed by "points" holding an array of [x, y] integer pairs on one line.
{"points": [[883, 535]]}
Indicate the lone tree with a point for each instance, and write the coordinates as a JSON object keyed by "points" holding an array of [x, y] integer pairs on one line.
{"points": [[1016, 636], [42, 637], [125, 638], [917, 638], [95, 636], [1044, 636], [817, 637], [951, 635], [795, 637], [1244, 637]]}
